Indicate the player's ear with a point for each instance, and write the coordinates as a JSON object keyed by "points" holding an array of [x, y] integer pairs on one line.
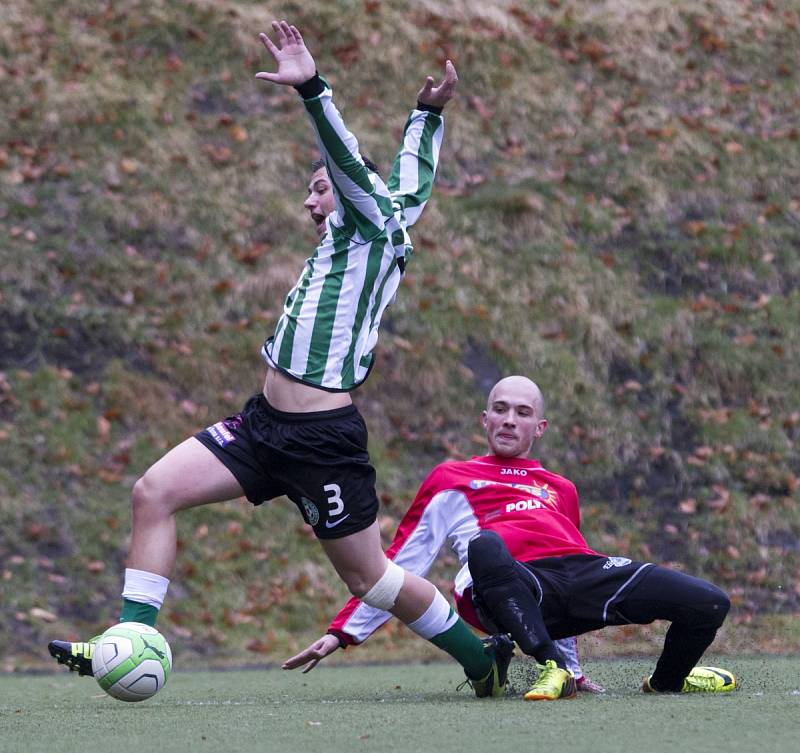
{"points": [[484, 416], [541, 428]]}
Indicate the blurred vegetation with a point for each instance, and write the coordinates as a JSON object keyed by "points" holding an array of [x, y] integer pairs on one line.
{"points": [[617, 215]]}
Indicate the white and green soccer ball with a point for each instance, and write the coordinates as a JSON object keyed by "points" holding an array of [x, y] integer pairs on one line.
{"points": [[131, 661]]}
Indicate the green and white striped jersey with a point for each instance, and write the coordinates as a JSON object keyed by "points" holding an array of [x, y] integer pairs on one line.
{"points": [[329, 326]]}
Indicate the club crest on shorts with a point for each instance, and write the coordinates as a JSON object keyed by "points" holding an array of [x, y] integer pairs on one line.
{"points": [[311, 511], [616, 562]]}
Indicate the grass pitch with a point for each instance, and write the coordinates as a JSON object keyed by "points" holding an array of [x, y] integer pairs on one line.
{"points": [[399, 707]]}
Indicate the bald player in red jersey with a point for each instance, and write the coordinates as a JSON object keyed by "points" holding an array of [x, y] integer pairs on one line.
{"points": [[527, 570]]}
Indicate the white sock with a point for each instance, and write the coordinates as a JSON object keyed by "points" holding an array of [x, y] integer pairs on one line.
{"points": [[437, 619], [569, 650], [144, 587]]}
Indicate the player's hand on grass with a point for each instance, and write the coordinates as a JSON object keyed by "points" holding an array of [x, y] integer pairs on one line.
{"points": [[439, 96], [295, 63], [314, 654]]}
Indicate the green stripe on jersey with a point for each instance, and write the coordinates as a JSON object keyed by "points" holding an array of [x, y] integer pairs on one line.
{"points": [[374, 259], [328, 303], [346, 161], [290, 322], [376, 308], [339, 151], [425, 165]]}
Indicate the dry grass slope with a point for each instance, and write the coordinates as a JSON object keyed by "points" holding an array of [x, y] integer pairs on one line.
{"points": [[617, 215]]}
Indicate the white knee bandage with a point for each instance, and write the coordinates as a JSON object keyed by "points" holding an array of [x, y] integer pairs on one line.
{"points": [[383, 594]]}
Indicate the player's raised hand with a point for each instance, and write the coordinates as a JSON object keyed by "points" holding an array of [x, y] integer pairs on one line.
{"points": [[295, 63], [314, 654], [439, 96]]}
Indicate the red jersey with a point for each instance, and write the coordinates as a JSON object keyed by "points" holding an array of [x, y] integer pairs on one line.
{"points": [[533, 510]]}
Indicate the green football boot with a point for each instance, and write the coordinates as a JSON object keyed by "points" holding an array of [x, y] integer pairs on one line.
{"points": [[501, 648]]}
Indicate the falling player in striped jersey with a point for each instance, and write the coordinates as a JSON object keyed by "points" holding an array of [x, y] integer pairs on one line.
{"points": [[527, 570], [302, 436]]}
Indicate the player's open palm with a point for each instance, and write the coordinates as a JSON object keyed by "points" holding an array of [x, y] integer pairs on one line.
{"points": [[295, 63]]}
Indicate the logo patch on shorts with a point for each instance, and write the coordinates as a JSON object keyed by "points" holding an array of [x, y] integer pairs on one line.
{"points": [[220, 433], [311, 511], [616, 562]]}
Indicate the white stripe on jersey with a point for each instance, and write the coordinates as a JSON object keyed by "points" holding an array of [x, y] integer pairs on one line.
{"points": [[367, 335], [409, 174], [346, 308], [412, 213]]}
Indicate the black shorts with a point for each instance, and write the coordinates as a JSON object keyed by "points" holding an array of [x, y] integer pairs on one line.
{"points": [[580, 592], [319, 460]]}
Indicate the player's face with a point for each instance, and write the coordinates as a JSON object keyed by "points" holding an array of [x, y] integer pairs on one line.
{"points": [[320, 202], [512, 418]]}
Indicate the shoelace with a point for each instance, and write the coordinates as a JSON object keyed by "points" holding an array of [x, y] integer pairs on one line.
{"points": [[545, 677], [462, 685], [704, 683]]}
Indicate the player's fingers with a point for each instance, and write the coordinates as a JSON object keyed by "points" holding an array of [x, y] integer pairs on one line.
{"points": [[266, 76], [450, 74], [286, 33], [310, 666], [278, 27], [267, 42], [298, 660], [298, 38]]}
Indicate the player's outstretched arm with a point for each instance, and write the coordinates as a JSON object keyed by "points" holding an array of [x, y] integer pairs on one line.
{"points": [[313, 654], [411, 180], [339, 148], [295, 63], [439, 96]]}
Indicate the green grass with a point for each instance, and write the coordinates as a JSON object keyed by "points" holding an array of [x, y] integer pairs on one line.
{"points": [[407, 707]]}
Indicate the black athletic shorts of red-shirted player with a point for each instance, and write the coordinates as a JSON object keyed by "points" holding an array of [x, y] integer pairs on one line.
{"points": [[319, 460], [555, 597]]}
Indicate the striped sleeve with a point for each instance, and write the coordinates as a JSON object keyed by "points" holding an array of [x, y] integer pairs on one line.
{"points": [[360, 206], [411, 180], [421, 534]]}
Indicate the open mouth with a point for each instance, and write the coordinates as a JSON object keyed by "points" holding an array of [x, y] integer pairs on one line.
{"points": [[319, 220]]}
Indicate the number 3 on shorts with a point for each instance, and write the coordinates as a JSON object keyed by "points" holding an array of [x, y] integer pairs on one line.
{"points": [[335, 503]]}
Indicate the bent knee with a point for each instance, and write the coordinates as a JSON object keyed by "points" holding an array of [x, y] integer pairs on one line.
{"points": [[148, 498], [719, 607], [357, 584], [486, 552], [381, 592], [710, 610], [485, 545]]}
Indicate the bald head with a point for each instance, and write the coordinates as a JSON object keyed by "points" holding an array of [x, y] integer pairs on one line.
{"points": [[519, 385], [514, 416]]}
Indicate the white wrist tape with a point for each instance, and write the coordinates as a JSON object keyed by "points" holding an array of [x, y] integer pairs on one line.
{"points": [[383, 594]]}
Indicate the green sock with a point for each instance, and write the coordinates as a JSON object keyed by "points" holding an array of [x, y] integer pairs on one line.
{"points": [[466, 648], [135, 611]]}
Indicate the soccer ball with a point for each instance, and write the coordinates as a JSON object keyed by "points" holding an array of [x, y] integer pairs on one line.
{"points": [[131, 661]]}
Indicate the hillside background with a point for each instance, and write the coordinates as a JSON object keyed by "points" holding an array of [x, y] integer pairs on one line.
{"points": [[617, 215]]}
